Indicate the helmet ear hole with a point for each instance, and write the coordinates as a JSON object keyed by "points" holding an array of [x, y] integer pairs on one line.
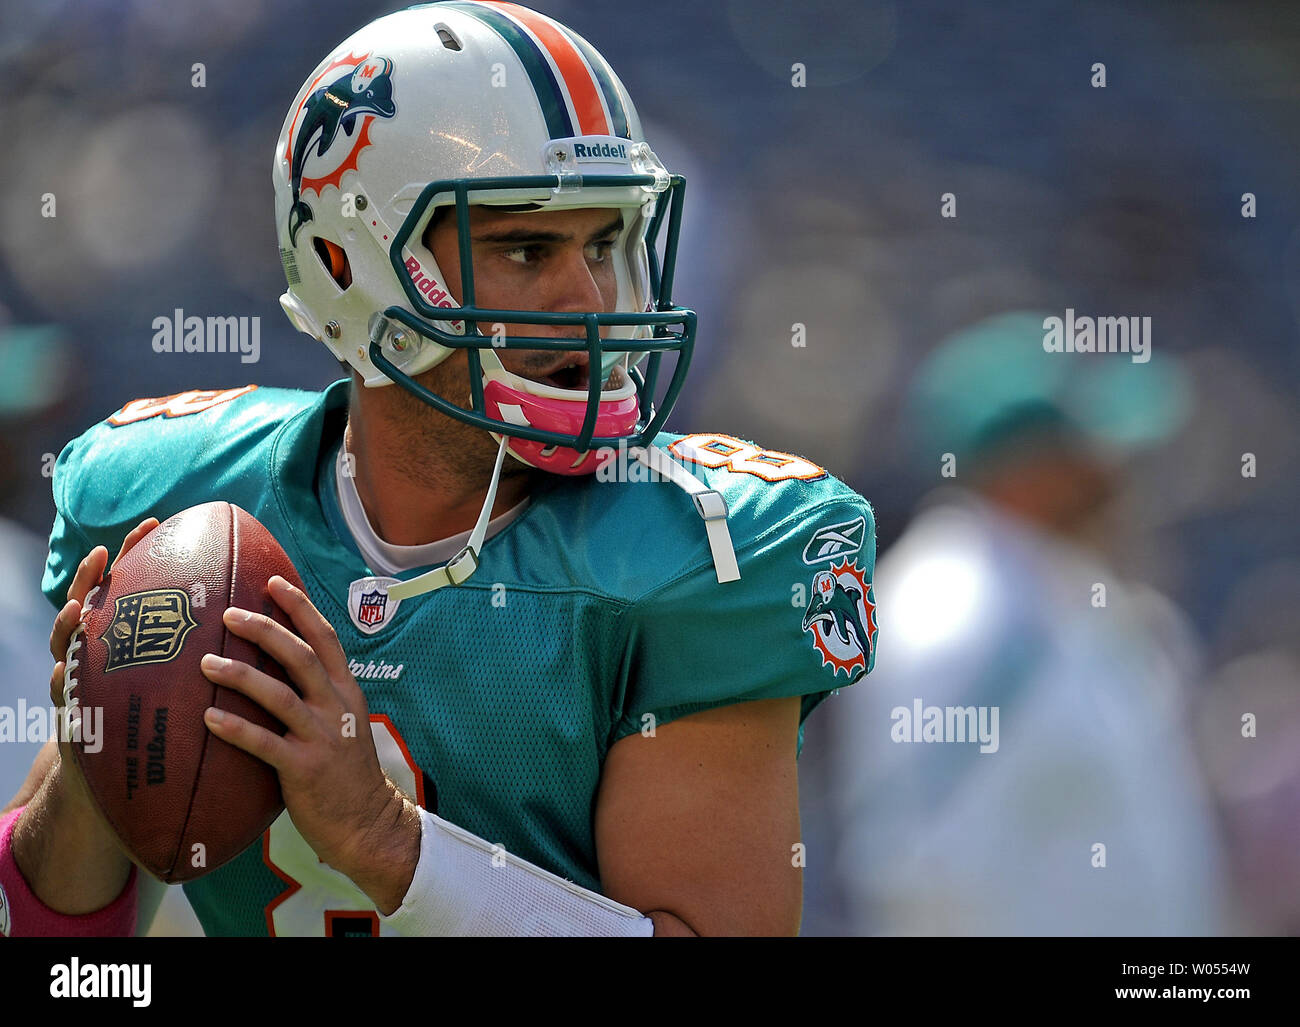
{"points": [[335, 261]]}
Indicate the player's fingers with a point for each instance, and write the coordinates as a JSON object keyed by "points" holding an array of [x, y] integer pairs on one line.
{"points": [[135, 535], [287, 649], [89, 571], [257, 741], [56, 684], [64, 623], [274, 696], [312, 626]]}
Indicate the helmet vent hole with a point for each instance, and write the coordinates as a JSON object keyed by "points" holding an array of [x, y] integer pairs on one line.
{"points": [[449, 41], [334, 260]]}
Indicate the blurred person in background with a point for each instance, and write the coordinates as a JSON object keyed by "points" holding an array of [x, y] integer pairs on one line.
{"points": [[1249, 731], [1082, 810]]}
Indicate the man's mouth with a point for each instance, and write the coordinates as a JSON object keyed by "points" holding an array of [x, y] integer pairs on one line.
{"points": [[569, 374]]}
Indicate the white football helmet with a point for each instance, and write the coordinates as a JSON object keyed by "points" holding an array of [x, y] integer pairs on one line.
{"points": [[461, 103]]}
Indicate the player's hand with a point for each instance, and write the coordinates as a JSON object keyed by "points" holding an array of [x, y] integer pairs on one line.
{"points": [[336, 793], [70, 856], [90, 573]]}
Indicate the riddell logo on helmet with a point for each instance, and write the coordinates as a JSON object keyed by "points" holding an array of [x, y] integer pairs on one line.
{"points": [[600, 151], [427, 285]]}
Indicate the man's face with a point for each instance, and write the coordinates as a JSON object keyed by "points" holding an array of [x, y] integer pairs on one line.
{"points": [[557, 261]]}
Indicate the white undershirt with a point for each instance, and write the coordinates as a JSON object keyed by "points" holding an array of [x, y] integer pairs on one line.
{"points": [[386, 558]]}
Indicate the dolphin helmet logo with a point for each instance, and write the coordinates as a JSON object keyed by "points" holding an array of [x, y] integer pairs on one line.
{"points": [[363, 90], [824, 586], [841, 618]]}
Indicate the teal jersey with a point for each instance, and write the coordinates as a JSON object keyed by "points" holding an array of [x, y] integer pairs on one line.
{"points": [[594, 614]]}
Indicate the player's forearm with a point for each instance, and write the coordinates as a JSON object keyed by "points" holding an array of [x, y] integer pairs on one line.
{"points": [[45, 760], [66, 853]]}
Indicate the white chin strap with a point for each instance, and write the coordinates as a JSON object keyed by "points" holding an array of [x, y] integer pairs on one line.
{"points": [[464, 563], [709, 503]]}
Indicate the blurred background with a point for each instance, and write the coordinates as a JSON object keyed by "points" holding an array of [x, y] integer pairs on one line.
{"points": [[820, 205]]}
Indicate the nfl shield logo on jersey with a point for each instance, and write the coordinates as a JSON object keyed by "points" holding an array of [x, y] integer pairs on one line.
{"points": [[371, 610], [369, 605]]}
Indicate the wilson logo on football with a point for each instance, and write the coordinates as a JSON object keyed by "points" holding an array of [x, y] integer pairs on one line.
{"points": [[841, 618]]}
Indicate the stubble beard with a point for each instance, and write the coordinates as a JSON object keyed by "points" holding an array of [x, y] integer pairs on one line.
{"points": [[440, 449]]}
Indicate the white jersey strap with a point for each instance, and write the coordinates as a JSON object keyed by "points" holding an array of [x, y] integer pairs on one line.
{"points": [[709, 503]]}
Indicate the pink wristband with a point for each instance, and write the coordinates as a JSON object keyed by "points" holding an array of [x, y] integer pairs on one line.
{"points": [[23, 915]]}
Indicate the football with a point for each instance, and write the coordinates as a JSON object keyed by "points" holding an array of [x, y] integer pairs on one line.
{"points": [[182, 801]]}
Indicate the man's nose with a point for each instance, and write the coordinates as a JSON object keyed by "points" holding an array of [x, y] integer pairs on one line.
{"points": [[570, 284]]}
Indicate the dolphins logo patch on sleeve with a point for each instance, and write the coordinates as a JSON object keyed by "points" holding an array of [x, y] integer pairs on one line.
{"points": [[841, 618], [362, 89]]}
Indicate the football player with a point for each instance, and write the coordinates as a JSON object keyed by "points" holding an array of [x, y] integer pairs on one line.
{"points": [[585, 647]]}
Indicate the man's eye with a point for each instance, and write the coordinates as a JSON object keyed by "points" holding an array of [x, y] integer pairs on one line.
{"points": [[528, 255]]}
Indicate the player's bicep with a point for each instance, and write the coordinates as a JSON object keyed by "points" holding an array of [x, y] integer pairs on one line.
{"points": [[701, 820]]}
